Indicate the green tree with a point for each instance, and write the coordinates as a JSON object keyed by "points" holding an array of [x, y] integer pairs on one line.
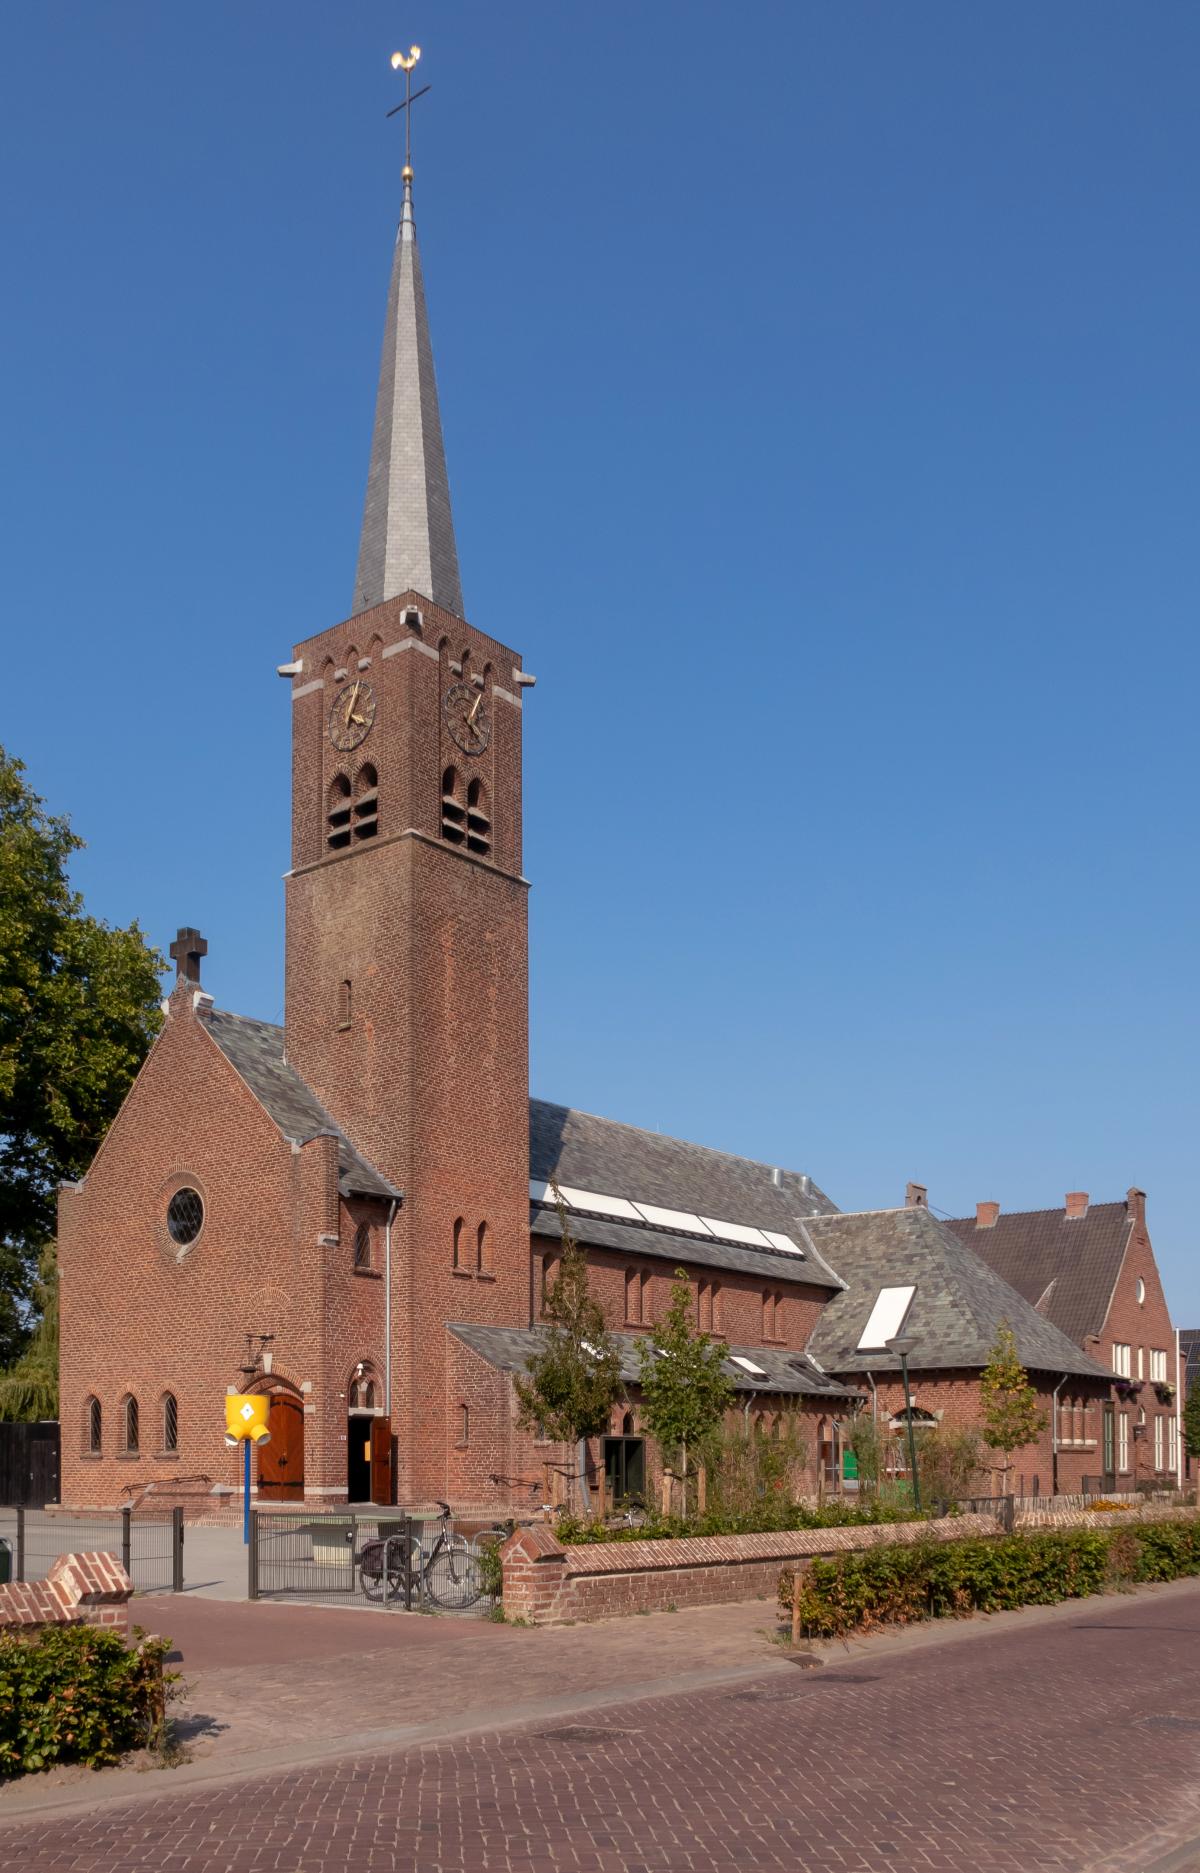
{"points": [[78, 1010], [574, 1378], [1191, 1421], [685, 1394], [29, 1388], [1011, 1418]]}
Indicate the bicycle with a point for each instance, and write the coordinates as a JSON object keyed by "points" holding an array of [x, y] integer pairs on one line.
{"points": [[450, 1576]]}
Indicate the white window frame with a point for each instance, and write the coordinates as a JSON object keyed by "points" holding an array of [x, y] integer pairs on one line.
{"points": [[1121, 1357], [1141, 1362], [1158, 1440], [1123, 1441], [1158, 1365]]}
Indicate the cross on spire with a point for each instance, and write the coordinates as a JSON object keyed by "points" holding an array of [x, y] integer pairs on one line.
{"points": [[405, 62], [188, 949]]}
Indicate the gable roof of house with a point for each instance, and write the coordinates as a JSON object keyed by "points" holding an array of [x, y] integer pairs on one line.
{"points": [[255, 1051], [1065, 1266], [955, 1313], [795, 1374], [581, 1152]]}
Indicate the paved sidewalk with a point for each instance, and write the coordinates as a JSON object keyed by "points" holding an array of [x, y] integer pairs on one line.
{"points": [[1066, 1742]]}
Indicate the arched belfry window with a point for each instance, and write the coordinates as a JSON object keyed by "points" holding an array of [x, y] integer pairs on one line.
{"points": [[366, 802], [454, 818], [338, 812], [479, 825]]}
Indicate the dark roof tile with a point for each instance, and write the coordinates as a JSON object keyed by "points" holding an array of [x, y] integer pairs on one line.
{"points": [[1065, 1266]]}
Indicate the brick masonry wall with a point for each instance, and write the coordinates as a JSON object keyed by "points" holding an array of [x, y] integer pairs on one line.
{"points": [[548, 1584], [1143, 1326], [80, 1589], [139, 1316]]}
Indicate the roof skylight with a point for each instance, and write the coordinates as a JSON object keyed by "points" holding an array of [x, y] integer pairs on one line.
{"points": [[886, 1319], [747, 1365]]}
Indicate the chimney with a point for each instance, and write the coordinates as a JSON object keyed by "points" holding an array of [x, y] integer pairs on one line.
{"points": [[916, 1197], [986, 1214], [188, 949], [1135, 1203], [1077, 1204]]}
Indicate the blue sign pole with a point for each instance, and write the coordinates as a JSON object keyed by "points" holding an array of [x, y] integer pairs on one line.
{"points": [[246, 1494]]}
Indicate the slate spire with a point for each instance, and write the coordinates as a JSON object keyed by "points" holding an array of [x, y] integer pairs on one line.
{"points": [[408, 530]]}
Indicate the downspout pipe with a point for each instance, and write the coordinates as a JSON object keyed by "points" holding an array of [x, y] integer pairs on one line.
{"points": [[1054, 1434], [1178, 1417], [387, 1309]]}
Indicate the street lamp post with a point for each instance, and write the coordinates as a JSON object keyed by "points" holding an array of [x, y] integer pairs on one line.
{"points": [[902, 1346]]}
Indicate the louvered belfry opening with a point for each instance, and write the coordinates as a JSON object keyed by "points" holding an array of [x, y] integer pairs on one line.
{"points": [[454, 817], [479, 826], [338, 813], [366, 802]]}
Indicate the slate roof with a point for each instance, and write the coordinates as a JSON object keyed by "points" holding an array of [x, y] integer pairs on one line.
{"points": [[959, 1304], [578, 1149], [509, 1348], [255, 1051], [1065, 1267]]}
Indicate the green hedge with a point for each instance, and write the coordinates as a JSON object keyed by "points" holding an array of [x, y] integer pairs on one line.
{"points": [[77, 1694], [936, 1580], [572, 1530]]}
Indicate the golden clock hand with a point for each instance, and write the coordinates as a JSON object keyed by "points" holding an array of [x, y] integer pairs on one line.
{"points": [[475, 709]]}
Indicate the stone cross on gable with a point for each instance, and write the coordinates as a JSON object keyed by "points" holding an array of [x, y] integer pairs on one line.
{"points": [[187, 949]]}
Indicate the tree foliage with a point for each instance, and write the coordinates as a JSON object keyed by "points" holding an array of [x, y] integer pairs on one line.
{"points": [[29, 1388], [1011, 1418], [685, 1394], [574, 1378], [1191, 1421], [78, 1010]]}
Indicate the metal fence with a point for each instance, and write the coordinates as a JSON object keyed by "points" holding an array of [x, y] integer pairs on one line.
{"points": [[149, 1548], [370, 1559]]}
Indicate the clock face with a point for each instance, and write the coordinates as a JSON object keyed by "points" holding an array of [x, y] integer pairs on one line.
{"points": [[467, 718], [351, 716]]}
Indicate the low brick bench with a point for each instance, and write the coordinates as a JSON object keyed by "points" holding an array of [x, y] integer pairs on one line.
{"points": [[80, 1589], [549, 1584]]}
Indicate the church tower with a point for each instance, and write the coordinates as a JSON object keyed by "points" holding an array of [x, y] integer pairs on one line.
{"points": [[407, 980]]}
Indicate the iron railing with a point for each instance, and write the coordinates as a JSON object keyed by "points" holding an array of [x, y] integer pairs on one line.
{"points": [[368, 1558], [149, 1548]]}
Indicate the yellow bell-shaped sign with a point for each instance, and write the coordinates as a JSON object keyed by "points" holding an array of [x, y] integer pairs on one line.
{"points": [[246, 1416]]}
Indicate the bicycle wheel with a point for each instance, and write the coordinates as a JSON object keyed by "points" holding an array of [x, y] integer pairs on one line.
{"points": [[453, 1577], [379, 1583]]}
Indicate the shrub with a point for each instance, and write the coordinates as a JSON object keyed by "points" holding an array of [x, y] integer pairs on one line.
{"points": [[935, 1580], [770, 1516], [76, 1694]]}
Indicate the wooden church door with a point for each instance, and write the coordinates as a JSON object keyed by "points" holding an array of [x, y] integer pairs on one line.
{"points": [[281, 1462]]}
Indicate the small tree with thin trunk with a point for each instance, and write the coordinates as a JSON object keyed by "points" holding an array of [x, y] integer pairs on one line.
{"points": [[1011, 1418], [685, 1394], [1191, 1421], [574, 1378]]}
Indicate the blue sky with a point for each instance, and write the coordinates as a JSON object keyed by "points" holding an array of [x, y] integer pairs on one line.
{"points": [[820, 394]]}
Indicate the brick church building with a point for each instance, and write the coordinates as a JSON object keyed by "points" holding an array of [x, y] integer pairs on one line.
{"points": [[364, 1197]]}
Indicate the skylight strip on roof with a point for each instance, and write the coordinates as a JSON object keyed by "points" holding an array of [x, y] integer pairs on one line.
{"points": [[779, 1241], [736, 1232], [886, 1319], [672, 1219], [601, 1205], [747, 1365], [540, 1192]]}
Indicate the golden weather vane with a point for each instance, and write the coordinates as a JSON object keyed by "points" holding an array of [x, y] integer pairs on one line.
{"points": [[406, 62]]}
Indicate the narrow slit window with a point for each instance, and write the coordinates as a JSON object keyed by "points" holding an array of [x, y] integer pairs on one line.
{"points": [[362, 1246], [458, 1242], [170, 1422], [464, 1424], [130, 1426], [483, 1249], [345, 1003], [633, 1296], [93, 1425]]}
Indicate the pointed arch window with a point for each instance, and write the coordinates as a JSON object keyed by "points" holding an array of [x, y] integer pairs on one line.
{"points": [[454, 815], [483, 1250], [170, 1422], [93, 1424], [366, 802], [479, 825], [130, 1432], [458, 1243], [337, 812]]}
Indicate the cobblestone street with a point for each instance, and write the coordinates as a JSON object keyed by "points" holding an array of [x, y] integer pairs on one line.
{"points": [[1072, 1743]]}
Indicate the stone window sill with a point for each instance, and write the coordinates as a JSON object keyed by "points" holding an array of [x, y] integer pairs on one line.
{"points": [[166, 1456], [91, 1456], [373, 1274], [484, 1274], [464, 1274], [129, 1456]]}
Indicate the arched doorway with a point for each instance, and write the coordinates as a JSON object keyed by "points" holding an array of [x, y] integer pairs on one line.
{"points": [[368, 1439], [281, 1461]]}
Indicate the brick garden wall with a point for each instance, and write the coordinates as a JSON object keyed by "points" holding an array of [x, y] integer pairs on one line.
{"points": [[548, 1584], [79, 1590]]}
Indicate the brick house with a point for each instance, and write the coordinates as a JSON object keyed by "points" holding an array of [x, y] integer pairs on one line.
{"points": [[352, 1211], [1089, 1268]]}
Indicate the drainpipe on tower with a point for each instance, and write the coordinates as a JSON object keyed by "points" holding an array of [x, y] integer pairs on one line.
{"points": [[387, 1309], [1054, 1435]]}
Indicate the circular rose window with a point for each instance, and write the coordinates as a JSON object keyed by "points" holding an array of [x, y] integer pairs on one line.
{"points": [[185, 1214]]}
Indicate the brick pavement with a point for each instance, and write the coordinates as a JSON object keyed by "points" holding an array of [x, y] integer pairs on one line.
{"points": [[1072, 1745]]}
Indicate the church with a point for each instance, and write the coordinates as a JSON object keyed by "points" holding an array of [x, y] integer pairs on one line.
{"points": [[358, 1212]]}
